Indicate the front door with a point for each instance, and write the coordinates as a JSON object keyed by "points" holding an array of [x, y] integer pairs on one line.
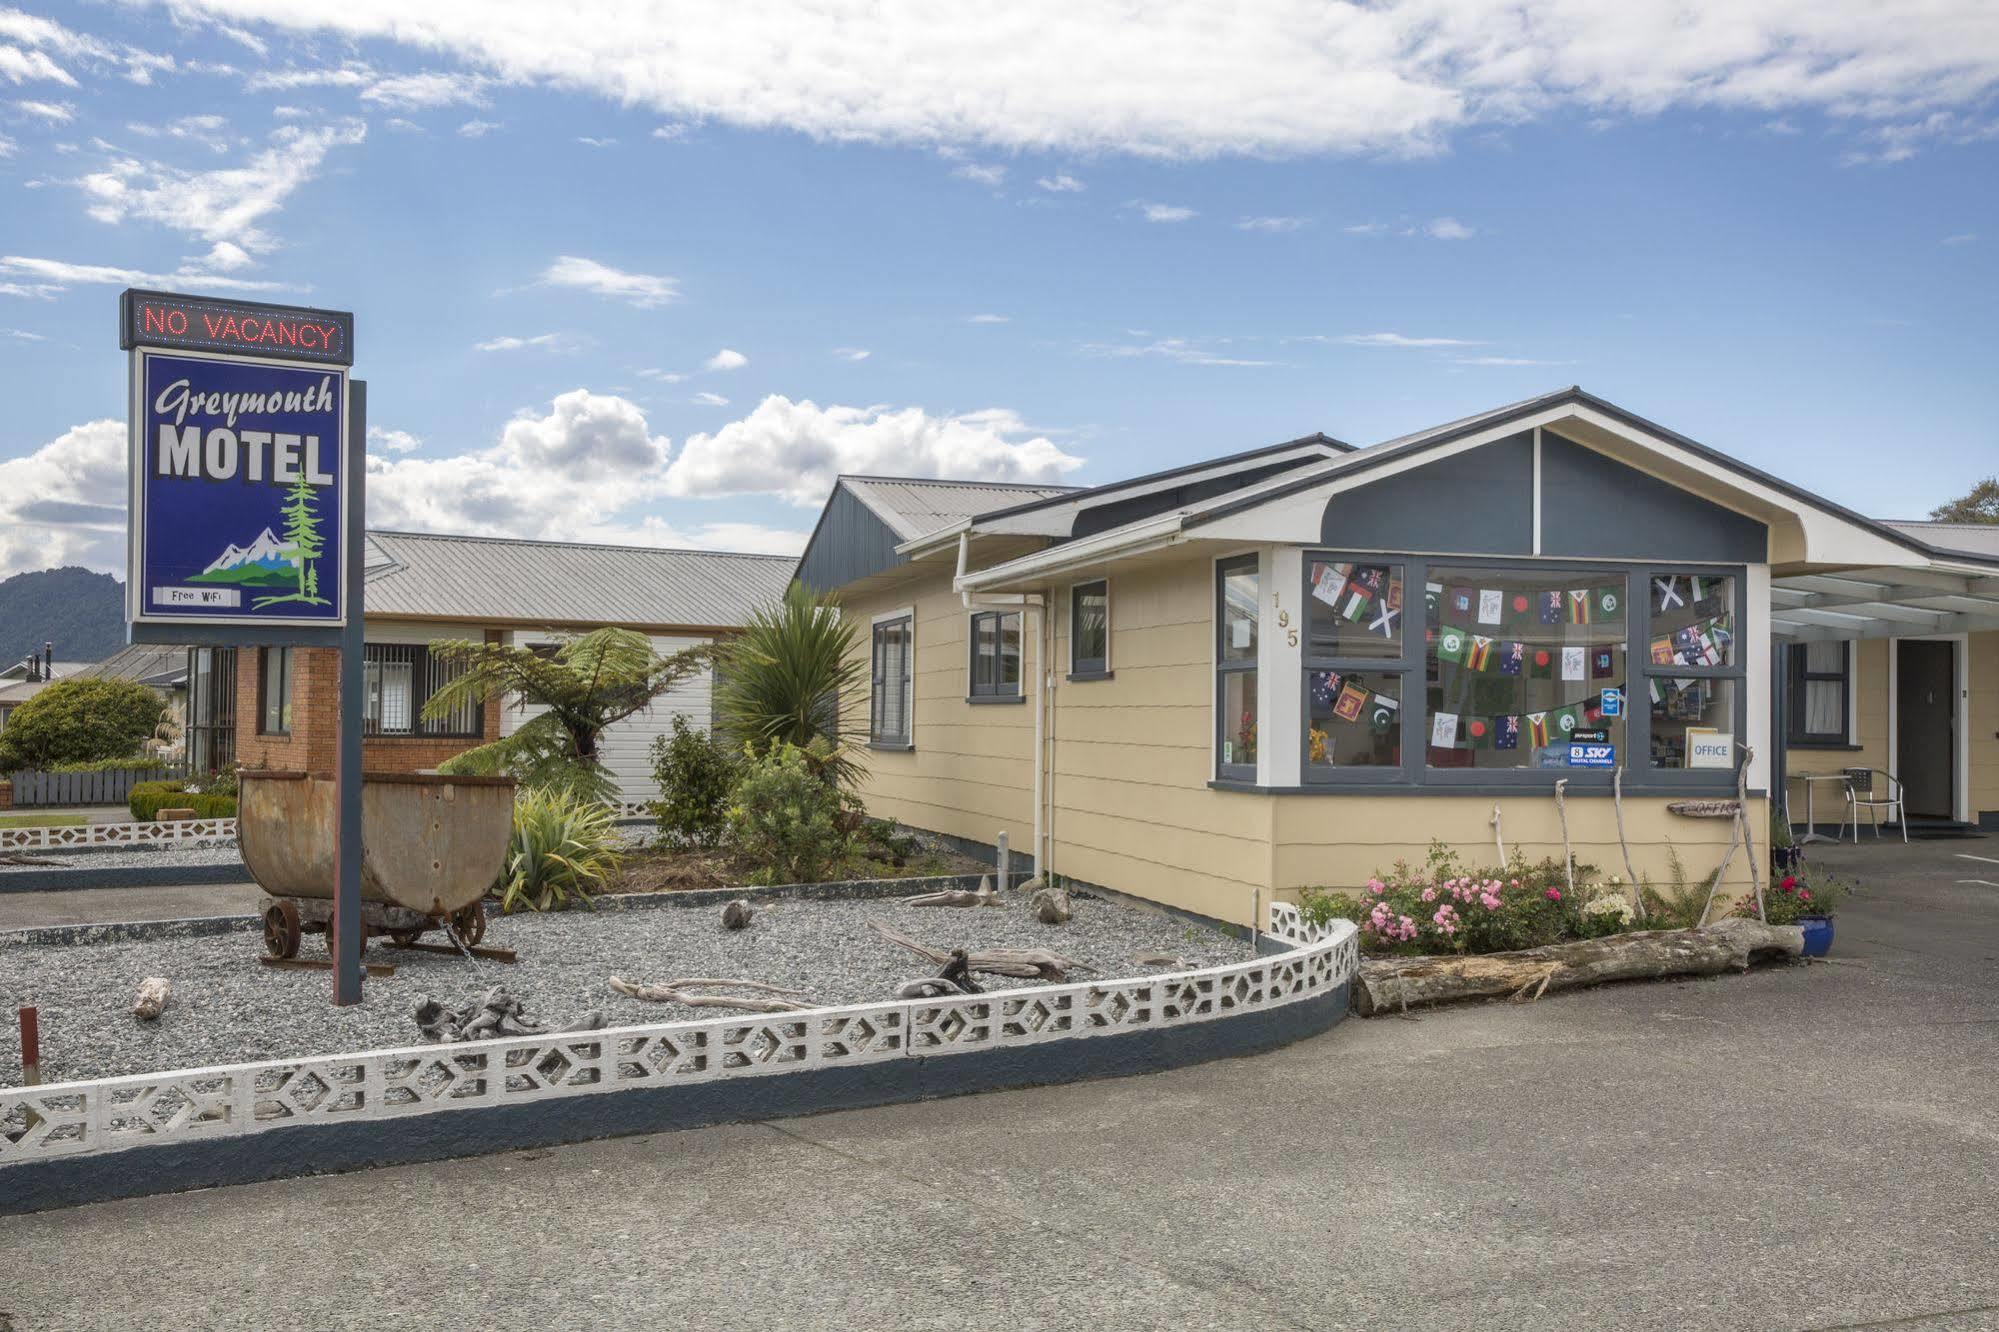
{"points": [[1926, 726]]}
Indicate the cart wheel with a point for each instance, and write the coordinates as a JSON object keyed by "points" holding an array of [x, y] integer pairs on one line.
{"points": [[470, 922], [404, 938], [281, 931]]}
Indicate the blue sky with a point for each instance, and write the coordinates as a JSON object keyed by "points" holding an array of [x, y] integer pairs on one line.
{"points": [[659, 282]]}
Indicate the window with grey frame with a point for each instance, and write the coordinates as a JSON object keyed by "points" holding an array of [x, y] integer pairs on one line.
{"points": [[398, 680], [274, 691], [1695, 681], [995, 656], [1820, 686], [1238, 597], [1090, 630], [890, 683]]}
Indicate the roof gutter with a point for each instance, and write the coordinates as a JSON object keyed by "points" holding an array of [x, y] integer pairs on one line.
{"points": [[1133, 540]]}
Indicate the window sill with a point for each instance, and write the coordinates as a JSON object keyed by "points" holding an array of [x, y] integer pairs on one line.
{"points": [[890, 747], [1839, 746], [983, 699], [1079, 676]]}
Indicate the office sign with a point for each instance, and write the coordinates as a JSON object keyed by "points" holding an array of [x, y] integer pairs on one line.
{"points": [[239, 478], [1710, 747]]}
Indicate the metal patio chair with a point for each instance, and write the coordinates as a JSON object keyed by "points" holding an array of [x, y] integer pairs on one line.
{"points": [[1862, 794]]}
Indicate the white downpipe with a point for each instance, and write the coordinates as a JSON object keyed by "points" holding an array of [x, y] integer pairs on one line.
{"points": [[1024, 602]]}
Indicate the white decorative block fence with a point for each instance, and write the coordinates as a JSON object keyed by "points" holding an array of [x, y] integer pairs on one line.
{"points": [[113, 1114], [118, 834]]}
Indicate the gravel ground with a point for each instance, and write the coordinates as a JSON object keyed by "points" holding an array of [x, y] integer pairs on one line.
{"points": [[227, 1008], [188, 853]]}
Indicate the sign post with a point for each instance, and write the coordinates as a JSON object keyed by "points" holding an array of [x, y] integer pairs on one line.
{"points": [[248, 476]]}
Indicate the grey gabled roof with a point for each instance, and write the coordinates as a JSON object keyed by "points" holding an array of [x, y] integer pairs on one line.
{"points": [[1981, 539], [497, 580], [153, 664], [915, 506]]}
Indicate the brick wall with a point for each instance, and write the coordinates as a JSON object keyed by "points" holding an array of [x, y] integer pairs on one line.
{"points": [[315, 735]]}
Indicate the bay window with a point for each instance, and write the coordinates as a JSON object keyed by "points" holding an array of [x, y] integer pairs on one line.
{"points": [[1356, 657]]}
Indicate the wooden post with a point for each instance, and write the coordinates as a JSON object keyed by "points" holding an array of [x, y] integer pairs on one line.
{"points": [[1002, 862]]}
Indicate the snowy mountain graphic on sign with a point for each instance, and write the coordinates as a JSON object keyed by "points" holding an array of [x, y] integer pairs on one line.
{"points": [[265, 562]]}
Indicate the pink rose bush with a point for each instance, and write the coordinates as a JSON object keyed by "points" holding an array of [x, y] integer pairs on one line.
{"points": [[1445, 907]]}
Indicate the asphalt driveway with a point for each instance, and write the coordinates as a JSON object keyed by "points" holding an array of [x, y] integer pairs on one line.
{"points": [[1808, 1147]]}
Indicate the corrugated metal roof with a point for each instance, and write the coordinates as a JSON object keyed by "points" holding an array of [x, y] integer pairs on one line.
{"points": [[148, 663], [914, 507], [1972, 538], [557, 582]]}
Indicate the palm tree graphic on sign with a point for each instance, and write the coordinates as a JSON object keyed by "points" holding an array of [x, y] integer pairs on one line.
{"points": [[303, 545]]}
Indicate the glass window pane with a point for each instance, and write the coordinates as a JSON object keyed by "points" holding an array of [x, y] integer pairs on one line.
{"points": [[1356, 719], [1825, 707], [1693, 620], [1518, 661], [985, 652], [1825, 657], [1090, 623], [1683, 711], [1353, 609], [890, 705], [1239, 718], [1009, 654], [1239, 610], [276, 718]]}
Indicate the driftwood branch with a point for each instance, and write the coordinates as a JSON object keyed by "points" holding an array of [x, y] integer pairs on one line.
{"points": [[496, 1013], [667, 994], [957, 897], [1024, 963], [1396, 983]]}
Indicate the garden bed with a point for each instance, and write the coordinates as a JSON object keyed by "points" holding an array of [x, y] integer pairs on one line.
{"points": [[653, 867], [226, 1007]]}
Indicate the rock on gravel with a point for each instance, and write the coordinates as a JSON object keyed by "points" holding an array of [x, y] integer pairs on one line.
{"points": [[228, 1008]]}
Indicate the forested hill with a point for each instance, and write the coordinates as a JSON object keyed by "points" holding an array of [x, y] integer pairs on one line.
{"points": [[81, 612]]}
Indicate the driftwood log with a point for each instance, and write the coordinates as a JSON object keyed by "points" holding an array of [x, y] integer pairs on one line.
{"points": [[957, 897], [152, 998], [956, 978], [1165, 961], [1051, 906], [496, 1013], [1392, 984], [1024, 963], [681, 992], [736, 915]]}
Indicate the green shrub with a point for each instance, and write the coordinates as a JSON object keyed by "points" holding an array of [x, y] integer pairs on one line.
{"points": [[563, 847], [695, 773], [784, 817], [130, 763], [149, 798], [793, 676], [79, 721]]}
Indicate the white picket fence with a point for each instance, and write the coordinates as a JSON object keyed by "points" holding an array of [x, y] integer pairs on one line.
{"points": [[73, 1119]]}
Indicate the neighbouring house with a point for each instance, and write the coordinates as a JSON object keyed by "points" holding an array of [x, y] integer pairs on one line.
{"points": [[1553, 622], [30, 676], [278, 707]]}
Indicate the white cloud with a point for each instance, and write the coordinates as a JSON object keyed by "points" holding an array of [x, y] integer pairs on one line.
{"points": [[6, 146], [726, 359], [24, 275], [1367, 229], [1159, 212], [794, 450], [544, 341], [401, 126], [852, 353], [289, 112], [478, 129], [423, 91], [55, 113], [1272, 224], [65, 502], [345, 76], [1060, 183], [224, 256], [18, 66], [1448, 228], [21, 335], [395, 441], [644, 290], [981, 174], [988, 319], [662, 376], [1294, 76], [1961, 238], [1391, 340], [589, 142], [1185, 351], [707, 399], [228, 203], [672, 133]]}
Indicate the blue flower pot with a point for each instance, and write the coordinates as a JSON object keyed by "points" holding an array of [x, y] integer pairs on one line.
{"points": [[1818, 935]]}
